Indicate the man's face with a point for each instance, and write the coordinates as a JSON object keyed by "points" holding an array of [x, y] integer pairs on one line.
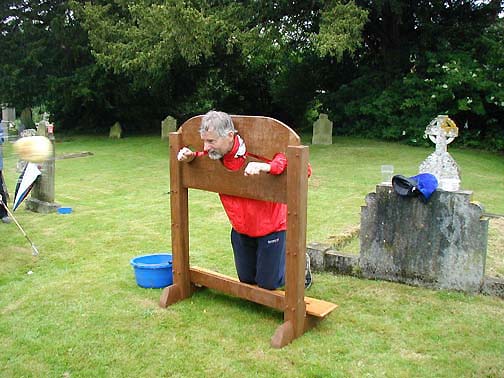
{"points": [[215, 145]]}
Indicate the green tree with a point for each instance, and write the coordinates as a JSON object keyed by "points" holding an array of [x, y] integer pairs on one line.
{"points": [[237, 49], [24, 57], [446, 58], [46, 61], [147, 36]]}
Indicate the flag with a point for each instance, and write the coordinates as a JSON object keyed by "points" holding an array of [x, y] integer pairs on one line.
{"points": [[25, 183]]}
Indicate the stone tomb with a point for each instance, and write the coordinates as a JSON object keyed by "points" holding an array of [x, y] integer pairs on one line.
{"points": [[440, 244]]}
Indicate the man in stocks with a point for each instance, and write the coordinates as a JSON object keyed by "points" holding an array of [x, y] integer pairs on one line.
{"points": [[258, 227]]}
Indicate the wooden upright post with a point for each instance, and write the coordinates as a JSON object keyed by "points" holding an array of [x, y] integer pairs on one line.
{"points": [[297, 187], [181, 287]]}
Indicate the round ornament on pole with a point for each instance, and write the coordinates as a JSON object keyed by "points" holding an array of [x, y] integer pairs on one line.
{"points": [[35, 149]]}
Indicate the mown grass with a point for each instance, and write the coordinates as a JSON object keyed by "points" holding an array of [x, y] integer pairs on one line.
{"points": [[76, 311]]}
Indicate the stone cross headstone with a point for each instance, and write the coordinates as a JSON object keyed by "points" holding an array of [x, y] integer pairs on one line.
{"points": [[115, 131], [442, 131], [42, 125], [168, 125], [322, 130]]}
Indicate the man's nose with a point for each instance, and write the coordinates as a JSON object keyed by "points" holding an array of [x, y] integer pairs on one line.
{"points": [[207, 146]]}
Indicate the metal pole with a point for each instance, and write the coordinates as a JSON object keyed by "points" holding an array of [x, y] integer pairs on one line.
{"points": [[35, 250]]}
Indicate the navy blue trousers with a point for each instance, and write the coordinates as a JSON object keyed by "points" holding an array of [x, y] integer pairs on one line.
{"points": [[260, 260]]}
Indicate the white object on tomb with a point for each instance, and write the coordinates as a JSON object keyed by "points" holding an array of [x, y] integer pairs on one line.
{"points": [[387, 172], [442, 131]]}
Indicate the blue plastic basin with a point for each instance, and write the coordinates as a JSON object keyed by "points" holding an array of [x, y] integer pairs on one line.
{"points": [[153, 271]]}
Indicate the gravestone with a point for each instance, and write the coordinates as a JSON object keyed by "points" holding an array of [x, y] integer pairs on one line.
{"points": [[440, 244], [115, 131], [43, 192], [26, 119], [322, 130], [8, 115], [168, 125]]}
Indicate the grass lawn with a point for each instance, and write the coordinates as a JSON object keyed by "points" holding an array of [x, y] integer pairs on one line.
{"points": [[76, 311]]}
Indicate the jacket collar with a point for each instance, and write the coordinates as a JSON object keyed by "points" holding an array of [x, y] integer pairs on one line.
{"points": [[238, 151]]}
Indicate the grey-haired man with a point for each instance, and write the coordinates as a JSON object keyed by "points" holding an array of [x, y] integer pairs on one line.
{"points": [[258, 227]]}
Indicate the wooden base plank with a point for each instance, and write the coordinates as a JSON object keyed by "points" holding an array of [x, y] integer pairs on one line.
{"points": [[271, 298]]}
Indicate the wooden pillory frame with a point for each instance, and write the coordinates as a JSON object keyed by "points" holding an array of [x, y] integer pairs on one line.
{"points": [[264, 137]]}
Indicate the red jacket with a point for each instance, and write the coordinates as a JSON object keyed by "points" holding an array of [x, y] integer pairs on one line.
{"points": [[249, 216]]}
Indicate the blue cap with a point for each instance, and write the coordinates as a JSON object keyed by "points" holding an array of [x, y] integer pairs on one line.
{"points": [[423, 184]]}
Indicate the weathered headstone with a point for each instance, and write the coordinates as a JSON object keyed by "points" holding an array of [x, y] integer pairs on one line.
{"points": [[26, 118], [440, 244], [115, 131], [322, 130], [168, 125], [43, 192], [8, 115]]}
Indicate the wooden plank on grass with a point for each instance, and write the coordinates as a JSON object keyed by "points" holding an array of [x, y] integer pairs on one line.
{"points": [[271, 298]]}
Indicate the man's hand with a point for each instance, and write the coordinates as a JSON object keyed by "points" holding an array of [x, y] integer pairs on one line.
{"points": [[254, 168], [185, 155]]}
